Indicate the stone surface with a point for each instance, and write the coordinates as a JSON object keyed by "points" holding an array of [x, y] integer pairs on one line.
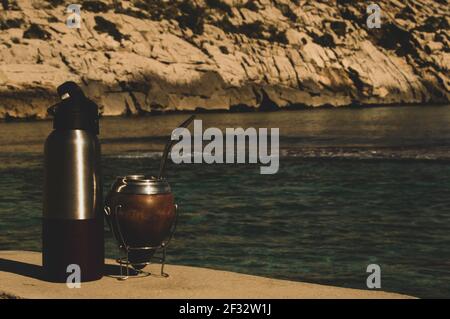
{"points": [[138, 56], [20, 278]]}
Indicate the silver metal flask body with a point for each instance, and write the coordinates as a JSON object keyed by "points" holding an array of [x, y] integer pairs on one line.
{"points": [[72, 175]]}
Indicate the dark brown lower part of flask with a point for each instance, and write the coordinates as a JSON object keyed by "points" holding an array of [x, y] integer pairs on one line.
{"points": [[66, 242]]}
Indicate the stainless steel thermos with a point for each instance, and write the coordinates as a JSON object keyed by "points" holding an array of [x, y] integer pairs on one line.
{"points": [[72, 232]]}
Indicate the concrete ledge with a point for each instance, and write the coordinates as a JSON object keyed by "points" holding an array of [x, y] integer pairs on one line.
{"points": [[20, 277]]}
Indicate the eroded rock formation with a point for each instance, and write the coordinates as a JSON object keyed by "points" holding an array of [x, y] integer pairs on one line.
{"points": [[141, 56]]}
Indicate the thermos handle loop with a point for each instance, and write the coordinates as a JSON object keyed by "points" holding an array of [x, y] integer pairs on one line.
{"points": [[71, 89]]}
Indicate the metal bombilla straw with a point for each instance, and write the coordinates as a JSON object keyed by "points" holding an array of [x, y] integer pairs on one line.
{"points": [[170, 143]]}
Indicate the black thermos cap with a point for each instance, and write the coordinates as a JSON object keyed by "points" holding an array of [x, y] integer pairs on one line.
{"points": [[75, 111]]}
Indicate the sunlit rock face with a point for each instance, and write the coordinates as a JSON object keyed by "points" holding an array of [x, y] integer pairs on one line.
{"points": [[136, 57]]}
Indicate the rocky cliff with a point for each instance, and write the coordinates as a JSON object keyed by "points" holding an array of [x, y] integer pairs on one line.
{"points": [[136, 57]]}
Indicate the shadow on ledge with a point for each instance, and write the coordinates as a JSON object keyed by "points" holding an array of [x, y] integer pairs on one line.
{"points": [[37, 272], [22, 269]]}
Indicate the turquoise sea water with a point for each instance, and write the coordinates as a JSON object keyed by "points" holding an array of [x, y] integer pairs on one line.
{"points": [[355, 187]]}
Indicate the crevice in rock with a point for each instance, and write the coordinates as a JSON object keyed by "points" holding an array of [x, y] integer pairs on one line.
{"points": [[297, 77], [35, 31], [354, 76], [267, 105], [6, 24], [104, 26], [140, 110], [128, 111], [67, 63], [95, 6], [130, 88], [241, 108], [10, 5]]}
